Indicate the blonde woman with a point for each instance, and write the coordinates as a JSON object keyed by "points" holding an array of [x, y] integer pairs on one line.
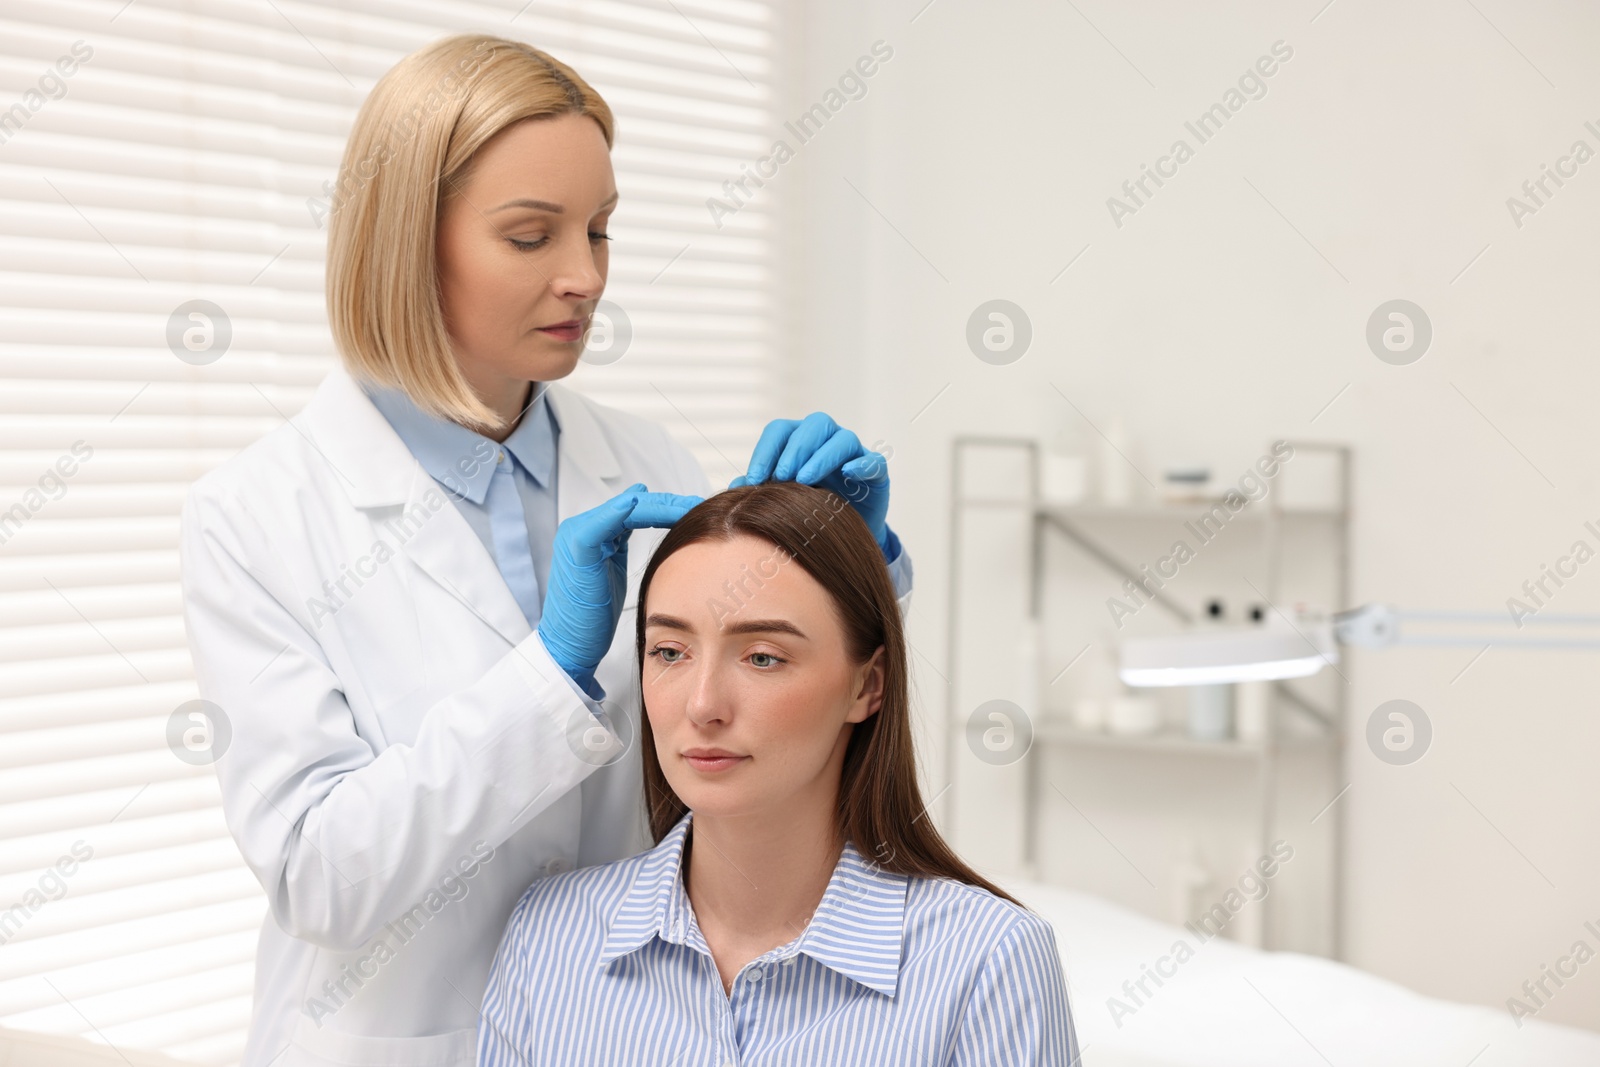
{"points": [[403, 606]]}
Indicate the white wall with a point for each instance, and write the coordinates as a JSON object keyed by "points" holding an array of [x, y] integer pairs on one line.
{"points": [[1231, 310]]}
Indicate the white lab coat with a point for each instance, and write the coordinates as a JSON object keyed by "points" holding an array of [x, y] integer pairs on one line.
{"points": [[401, 741]]}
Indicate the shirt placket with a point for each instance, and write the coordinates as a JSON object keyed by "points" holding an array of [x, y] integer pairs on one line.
{"points": [[509, 527], [741, 1008], [727, 1008]]}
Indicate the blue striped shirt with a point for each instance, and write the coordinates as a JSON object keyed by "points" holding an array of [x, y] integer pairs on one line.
{"points": [[607, 965]]}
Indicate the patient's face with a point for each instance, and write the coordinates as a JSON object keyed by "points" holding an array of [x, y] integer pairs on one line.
{"points": [[744, 652]]}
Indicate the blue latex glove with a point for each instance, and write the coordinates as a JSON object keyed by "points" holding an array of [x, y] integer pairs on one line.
{"points": [[589, 577], [815, 450]]}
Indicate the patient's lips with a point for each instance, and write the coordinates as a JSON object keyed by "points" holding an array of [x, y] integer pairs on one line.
{"points": [[712, 759]]}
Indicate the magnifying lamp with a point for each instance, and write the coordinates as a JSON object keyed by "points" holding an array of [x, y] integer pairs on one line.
{"points": [[1301, 646]]}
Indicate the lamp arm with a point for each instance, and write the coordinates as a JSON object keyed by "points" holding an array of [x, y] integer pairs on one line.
{"points": [[1379, 626], [1369, 626]]}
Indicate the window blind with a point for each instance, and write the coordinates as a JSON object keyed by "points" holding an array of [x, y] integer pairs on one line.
{"points": [[157, 152]]}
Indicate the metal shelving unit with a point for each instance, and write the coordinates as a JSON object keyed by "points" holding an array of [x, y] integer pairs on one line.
{"points": [[1073, 524]]}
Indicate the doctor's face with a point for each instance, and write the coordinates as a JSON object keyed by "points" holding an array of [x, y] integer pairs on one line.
{"points": [[744, 652], [520, 252]]}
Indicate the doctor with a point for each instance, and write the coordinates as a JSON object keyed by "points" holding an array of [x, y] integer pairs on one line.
{"points": [[405, 603]]}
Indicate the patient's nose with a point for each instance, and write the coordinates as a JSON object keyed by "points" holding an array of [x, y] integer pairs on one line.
{"points": [[707, 700]]}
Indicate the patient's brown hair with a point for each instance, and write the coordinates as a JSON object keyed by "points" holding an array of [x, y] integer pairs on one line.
{"points": [[880, 805]]}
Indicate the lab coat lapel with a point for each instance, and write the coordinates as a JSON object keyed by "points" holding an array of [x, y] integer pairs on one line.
{"points": [[587, 469], [591, 474], [380, 473], [446, 547]]}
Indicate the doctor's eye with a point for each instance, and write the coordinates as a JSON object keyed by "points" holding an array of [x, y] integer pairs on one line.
{"points": [[660, 652], [528, 246]]}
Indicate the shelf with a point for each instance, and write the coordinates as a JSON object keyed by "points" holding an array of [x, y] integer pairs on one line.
{"points": [[1098, 529], [1178, 511], [1167, 741]]}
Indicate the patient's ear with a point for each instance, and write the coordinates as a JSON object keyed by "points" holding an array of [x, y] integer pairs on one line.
{"points": [[869, 681]]}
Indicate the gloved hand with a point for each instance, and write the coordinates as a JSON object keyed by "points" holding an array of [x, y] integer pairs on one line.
{"points": [[817, 451], [589, 577]]}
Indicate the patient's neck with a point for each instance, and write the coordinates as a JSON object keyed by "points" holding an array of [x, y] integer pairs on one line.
{"points": [[755, 879]]}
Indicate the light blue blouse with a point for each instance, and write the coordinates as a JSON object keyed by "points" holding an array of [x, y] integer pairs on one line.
{"points": [[607, 965], [506, 491]]}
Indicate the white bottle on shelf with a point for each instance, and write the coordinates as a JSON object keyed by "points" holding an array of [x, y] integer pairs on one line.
{"points": [[1211, 706], [1115, 480], [1098, 686], [1252, 706], [1063, 468], [1252, 711]]}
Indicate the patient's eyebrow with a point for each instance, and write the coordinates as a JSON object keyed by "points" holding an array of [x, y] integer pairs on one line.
{"points": [[738, 626]]}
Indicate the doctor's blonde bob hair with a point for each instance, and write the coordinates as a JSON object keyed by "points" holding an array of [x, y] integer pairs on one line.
{"points": [[412, 148]]}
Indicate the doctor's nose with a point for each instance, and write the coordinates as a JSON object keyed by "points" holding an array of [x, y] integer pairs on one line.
{"points": [[576, 272]]}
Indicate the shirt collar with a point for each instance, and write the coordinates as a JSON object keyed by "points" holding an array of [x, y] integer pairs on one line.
{"points": [[858, 928], [461, 459]]}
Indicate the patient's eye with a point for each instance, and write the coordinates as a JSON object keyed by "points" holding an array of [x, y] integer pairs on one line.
{"points": [[660, 652], [766, 655]]}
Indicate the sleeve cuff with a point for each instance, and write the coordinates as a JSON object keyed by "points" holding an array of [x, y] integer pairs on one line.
{"points": [[586, 686], [890, 545], [899, 562]]}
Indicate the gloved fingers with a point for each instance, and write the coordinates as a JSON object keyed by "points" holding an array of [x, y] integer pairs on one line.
{"points": [[869, 468], [812, 433], [659, 509], [864, 474], [767, 450], [588, 537], [830, 456]]}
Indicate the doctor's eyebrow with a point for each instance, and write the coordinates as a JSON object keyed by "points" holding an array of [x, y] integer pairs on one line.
{"points": [[545, 205], [741, 626]]}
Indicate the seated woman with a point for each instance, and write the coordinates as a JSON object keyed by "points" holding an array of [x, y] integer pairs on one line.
{"points": [[799, 908]]}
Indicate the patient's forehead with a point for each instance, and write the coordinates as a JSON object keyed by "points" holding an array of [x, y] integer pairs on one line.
{"points": [[707, 580]]}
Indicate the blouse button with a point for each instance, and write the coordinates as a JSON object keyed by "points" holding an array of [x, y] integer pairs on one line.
{"points": [[555, 865]]}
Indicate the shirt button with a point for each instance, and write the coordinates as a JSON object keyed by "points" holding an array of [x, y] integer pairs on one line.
{"points": [[757, 973], [555, 866]]}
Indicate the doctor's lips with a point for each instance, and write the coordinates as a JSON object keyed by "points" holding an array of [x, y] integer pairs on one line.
{"points": [[571, 330], [711, 759]]}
